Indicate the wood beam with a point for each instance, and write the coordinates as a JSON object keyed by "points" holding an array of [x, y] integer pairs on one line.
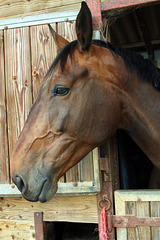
{"points": [[95, 8], [117, 4]]}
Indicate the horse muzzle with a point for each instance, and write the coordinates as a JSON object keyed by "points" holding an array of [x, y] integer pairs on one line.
{"points": [[40, 190]]}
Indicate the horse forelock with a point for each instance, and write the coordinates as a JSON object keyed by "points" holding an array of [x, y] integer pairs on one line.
{"points": [[62, 56]]}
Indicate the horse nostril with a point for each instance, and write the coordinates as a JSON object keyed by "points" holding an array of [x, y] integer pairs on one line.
{"points": [[19, 182]]}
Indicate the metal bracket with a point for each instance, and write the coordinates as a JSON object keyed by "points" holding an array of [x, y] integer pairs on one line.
{"points": [[39, 226], [115, 221]]}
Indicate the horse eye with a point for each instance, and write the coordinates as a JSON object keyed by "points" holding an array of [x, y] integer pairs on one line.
{"points": [[59, 91]]}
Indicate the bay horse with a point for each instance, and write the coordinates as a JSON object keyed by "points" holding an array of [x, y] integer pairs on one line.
{"points": [[91, 90]]}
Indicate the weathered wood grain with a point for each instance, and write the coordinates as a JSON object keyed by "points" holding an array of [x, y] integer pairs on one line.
{"points": [[4, 170], [11, 9], [131, 210], [18, 81], [142, 210], [43, 52], [67, 30], [140, 203], [85, 168], [17, 230], [155, 212], [64, 208]]}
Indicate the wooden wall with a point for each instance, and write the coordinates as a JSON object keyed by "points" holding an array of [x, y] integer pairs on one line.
{"points": [[25, 56], [17, 82], [4, 170], [22, 8], [140, 203], [17, 214]]}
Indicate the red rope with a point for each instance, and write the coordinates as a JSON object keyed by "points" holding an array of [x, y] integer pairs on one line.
{"points": [[103, 225]]}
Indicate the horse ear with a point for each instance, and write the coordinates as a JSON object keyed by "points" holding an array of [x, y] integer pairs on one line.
{"points": [[60, 41], [84, 27]]}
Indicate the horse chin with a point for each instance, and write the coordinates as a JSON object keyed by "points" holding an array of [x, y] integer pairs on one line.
{"points": [[47, 191]]}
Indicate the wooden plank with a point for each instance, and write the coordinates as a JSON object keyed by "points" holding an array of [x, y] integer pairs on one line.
{"points": [[43, 52], [142, 210], [66, 208], [41, 19], [67, 30], [19, 230], [139, 209], [10, 9], [85, 168], [9, 190], [131, 210], [18, 80], [155, 212], [77, 188], [136, 195], [4, 170], [69, 188], [136, 202], [72, 175]]}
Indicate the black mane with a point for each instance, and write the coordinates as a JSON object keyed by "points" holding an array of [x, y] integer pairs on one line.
{"points": [[146, 70]]}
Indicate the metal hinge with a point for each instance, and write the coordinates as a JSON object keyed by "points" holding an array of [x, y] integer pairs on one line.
{"points": [[115, 221]]}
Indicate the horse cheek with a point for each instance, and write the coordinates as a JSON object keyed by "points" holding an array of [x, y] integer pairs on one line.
{"points": [[106, 118]]}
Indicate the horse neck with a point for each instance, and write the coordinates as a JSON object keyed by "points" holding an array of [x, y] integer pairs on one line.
{"points": [[140, 115]]}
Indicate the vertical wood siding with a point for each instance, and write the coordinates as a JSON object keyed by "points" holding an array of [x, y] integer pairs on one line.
{"points": [[4, 172], [43, 52], [18, 81], [140, 203], [25, 57]]}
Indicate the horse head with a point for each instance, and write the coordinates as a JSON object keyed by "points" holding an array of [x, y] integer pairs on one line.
{"points": [[73, 113]]}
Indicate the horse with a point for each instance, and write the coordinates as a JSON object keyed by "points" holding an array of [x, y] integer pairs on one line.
{"points": [[91, 90]]}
